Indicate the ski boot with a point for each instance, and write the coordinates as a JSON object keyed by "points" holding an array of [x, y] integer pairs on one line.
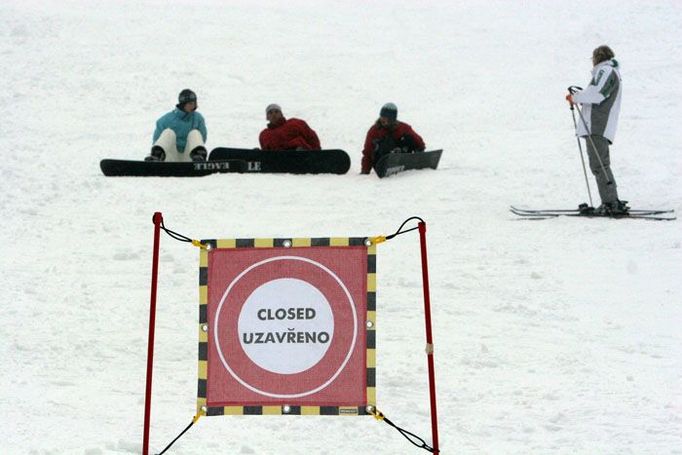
{"points": [[198, 154], [157, 154], [617, 208], [585, 209]]}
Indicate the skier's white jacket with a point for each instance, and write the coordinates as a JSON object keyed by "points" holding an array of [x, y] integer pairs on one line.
{"points": [[600, 101]]}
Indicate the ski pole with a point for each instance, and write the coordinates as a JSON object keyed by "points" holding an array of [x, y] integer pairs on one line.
{"points": [[580, 149], [594, 147]]}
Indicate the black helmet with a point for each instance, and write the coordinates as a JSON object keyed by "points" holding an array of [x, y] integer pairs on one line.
{"points": [[390, 111], [186, 96]]}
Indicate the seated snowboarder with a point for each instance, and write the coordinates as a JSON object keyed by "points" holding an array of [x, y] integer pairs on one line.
{"points": [[286, 134], [388, 135], [180, 134]]}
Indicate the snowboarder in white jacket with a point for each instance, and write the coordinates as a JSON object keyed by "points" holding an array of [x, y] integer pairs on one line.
{"points": [[600, 102]]}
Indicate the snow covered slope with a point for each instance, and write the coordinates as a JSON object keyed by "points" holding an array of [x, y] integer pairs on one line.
{"points": [[552, 337]]}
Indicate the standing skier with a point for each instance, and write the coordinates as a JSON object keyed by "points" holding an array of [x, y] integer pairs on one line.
{"points": [[598, 120], [180, 134], [388, 135]]}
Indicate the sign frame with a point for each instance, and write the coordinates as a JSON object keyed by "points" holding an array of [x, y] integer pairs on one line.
{"points": [[366, 328]]}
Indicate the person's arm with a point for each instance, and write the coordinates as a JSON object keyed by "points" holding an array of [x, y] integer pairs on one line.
{"points": [[367, 153], [313, 139], [297, 143], [310, 136], [262, 139], [160, 126], [600, 88], [418, 141], [202, 128], [303, 136]]}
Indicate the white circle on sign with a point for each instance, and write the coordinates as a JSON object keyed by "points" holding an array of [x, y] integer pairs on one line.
{"points": [[286, 326]]}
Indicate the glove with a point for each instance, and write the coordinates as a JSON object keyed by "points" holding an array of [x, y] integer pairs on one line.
{"points": [[569, 98]]}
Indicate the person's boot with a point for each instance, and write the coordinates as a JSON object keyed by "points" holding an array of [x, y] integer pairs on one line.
{"points": [[198, 154], [603, 209], [585, 209], [616, 208], [620, 207], [157, 154]]}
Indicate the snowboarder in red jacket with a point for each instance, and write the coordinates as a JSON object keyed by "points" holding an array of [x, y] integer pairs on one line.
{"points": [[283, 134], [388, 135]]}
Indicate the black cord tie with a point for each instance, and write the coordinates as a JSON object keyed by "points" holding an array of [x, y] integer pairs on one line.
{"points": [[182, 238], [179, 436], [400, 231], [413, 438], [175, 235]]}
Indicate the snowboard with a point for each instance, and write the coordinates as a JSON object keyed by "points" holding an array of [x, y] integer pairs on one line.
{"points": [[132, 168], [395, 163], [331, 161]]}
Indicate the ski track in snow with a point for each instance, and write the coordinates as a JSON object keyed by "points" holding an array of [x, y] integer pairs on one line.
{"points": [[551, 337]]}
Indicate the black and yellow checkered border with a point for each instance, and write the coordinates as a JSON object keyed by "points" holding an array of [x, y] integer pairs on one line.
{"points": [[370, 327]]}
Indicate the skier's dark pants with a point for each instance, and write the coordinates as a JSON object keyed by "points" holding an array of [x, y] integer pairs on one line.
{"points": [[607, 191]]}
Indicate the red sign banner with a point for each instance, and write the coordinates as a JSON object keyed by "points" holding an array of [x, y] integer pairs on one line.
{"points": [[287, 327]]}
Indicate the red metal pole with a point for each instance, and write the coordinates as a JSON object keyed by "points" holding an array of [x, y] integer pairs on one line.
{"points": [[158, 219], [429, 337]]}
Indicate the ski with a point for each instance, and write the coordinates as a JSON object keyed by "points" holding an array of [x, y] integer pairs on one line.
{"points": [[617, 217], [656, 215], [521, 211], [651, 214]]}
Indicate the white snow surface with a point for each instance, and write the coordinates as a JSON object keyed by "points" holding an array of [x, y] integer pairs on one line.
{"points": [[551, 337]]}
